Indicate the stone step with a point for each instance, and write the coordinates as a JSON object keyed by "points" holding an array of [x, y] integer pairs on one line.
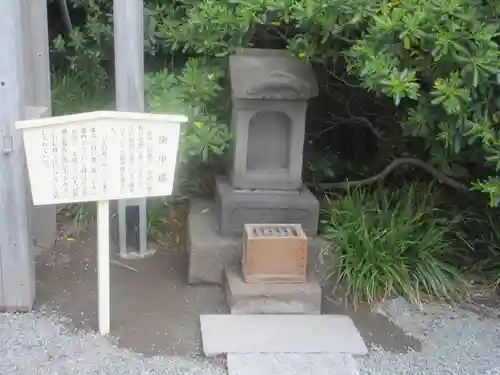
{"points": [[247, 334], [291, 364], [271, 297]]}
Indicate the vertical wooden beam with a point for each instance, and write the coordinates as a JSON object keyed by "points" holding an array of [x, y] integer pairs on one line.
{"points": [[37, 95], [129, 77], [16, 269], [36, 54], [129, 54]]}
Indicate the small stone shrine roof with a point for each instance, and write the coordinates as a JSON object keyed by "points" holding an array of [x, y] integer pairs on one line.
{"points": [[270, 74]]}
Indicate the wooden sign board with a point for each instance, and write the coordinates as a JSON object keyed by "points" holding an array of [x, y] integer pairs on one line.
{"points": [[100, 156]]}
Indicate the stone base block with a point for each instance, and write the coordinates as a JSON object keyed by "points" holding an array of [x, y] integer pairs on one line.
{"points": [[210, 253], [271, 298], [238, 207]]}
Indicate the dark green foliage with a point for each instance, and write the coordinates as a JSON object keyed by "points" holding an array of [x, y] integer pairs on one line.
{"points": [[72, 94], [487, 248]]}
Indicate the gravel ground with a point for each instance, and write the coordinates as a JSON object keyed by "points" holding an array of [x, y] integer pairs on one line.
{"points": [[35, 344], [455, 342]]}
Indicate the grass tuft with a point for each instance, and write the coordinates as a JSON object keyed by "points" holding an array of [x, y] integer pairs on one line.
{"points": [[487, 245], [392, 242]]}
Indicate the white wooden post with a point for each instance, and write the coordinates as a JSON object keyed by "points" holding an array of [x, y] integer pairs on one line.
{"points": [[128, 16], [37, 95], [103, 266], [17, 281]]}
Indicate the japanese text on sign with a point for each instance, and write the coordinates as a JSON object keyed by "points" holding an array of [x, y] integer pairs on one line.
{"points": [[101, 160]]}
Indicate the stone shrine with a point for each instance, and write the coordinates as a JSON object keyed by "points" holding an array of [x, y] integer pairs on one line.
{"points": [[269, 90], [269, 94]]}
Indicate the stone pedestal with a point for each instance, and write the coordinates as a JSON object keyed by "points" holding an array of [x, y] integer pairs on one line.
{"points": [[236, 207], [271, 298]]}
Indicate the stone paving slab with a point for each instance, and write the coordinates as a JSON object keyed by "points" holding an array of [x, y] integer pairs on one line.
{"points": [[280, 334], [291, 364]]}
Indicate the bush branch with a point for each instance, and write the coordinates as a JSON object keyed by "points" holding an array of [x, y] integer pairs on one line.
{"points": [[352, 119], [65, 16], [441, 177]]}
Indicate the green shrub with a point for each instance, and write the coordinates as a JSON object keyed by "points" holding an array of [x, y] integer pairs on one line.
{"points": [[87, 52], [71, 94], [391, 242], [438, 61], [196, 92]]}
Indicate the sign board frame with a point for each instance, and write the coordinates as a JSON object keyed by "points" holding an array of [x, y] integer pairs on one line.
{"points": [[101, 156]]}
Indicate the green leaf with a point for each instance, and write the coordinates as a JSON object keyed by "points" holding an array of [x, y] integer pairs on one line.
{"points": [[406, 42], [438, 100], [475, 76]]}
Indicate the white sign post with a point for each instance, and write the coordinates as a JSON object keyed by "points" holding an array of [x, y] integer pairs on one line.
{"points": [[101, 156]]}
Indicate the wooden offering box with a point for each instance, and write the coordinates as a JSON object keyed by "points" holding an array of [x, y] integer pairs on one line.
{"points": [[274, 253]]}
